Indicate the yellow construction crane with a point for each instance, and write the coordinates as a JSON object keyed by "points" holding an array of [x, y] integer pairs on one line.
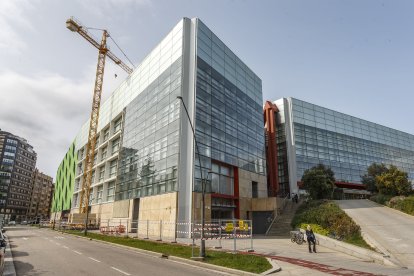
{"points": [[75, 26]]}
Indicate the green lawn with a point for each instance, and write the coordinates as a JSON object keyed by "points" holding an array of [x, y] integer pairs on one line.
{"points": [[245, 262]]}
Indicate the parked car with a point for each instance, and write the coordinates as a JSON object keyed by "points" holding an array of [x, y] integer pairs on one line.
{"points": [[24, 222], [12, 222]]}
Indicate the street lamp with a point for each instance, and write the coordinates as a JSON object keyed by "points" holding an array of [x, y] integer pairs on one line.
{"points": [[203, 190]]}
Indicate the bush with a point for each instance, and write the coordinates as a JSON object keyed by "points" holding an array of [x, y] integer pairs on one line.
{"points": [[404, 204], [316, 228], [380, 198], [328, 216]]}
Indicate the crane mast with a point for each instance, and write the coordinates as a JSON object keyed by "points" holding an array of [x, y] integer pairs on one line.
{"points": [[75, 26]]}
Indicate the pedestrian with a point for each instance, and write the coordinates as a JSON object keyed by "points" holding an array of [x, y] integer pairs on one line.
{"points": [[293, 197], [296, 198], [311, 238]]}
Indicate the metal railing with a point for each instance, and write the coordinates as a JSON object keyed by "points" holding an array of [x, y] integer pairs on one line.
{"points": [[215, 231], [277, 212]]}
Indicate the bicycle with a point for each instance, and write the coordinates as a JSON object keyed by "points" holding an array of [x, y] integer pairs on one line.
{"points": [[296, 236]]}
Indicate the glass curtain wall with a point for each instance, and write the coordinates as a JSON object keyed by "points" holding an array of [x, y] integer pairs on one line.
{"points": [[229, 119], [149, 154], [347, 144]]}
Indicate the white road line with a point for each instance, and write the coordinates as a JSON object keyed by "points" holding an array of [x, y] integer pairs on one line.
{"points": [[123, 272], [98, 261], [25, 239], [77, 252], [66, 247]]}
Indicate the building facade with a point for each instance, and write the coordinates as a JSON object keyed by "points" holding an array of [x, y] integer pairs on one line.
{"points": [[41, 197], [17, 166], [65, 179], [147, 165], [308, 135]]}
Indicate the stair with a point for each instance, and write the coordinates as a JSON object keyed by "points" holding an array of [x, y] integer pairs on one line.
{"points": [[281, 226]]}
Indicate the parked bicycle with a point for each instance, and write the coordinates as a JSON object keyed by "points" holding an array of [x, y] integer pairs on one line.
{"points": [[297, 236]]}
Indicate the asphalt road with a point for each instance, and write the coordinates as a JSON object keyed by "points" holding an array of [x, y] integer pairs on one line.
{"points": [[392, 229], [43, 252]]}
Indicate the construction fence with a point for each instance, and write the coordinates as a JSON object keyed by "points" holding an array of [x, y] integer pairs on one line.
{"points": [[234, 234]]}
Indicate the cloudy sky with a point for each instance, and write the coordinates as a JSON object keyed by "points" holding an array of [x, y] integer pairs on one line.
{"points": [[353, 56]]}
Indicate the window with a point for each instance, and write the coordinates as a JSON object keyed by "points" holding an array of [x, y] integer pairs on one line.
{"points": [[117, 125], [91, 197], [112, 168], [106, 134], [115, 146], [104, 153], [110, 191], [101, 173], [255, 191], [99, 194]]}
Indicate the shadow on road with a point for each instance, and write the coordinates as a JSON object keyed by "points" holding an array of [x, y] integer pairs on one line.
{"points": [[19, 254], [23, 268]]}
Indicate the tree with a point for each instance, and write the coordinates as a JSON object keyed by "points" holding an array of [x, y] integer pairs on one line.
{"points": [[393, 182], [373, 171], [319, 181]]}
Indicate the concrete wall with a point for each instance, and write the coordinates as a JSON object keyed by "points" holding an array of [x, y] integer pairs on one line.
{"points": [[155, 209], [103, 211], [264, 204], [245, 192]]}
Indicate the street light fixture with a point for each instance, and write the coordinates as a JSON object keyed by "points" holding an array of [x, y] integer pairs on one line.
{"points": [[203, 190]]}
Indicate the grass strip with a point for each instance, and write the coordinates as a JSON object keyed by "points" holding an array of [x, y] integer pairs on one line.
{"points": [[244, 262]]}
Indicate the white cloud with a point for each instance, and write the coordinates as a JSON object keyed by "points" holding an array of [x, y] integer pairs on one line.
{"points": [[12, 19], [47, 110]]}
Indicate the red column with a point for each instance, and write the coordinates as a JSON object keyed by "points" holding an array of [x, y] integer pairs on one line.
{"points": [[269, 116]]}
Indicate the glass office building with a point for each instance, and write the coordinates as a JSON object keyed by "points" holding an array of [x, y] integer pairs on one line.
{"points": [[146, 153], [309, 135]]}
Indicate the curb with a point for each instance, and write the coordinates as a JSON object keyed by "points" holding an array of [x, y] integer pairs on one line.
{"points": [[276, 268], [173, 258], [9, 269], [356, 251]]}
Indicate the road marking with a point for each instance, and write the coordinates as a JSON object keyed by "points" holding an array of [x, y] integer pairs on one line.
{"points": [[65, 247], [77, 252], [123, 272], [98, 261], [25, 239]]}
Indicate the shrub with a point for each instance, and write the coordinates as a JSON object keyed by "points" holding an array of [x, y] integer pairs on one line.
{"points": [[380, 198], [404, 204], [316, 228], [328, 216]]}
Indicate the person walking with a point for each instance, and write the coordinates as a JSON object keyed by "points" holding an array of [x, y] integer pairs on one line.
{"points": [[311, 238]]}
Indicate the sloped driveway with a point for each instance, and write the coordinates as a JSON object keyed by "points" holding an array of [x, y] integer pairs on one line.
{"points": [[392, 229]]}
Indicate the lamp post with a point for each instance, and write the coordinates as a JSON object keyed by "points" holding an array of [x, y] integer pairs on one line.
{"points": [[203, 190]]}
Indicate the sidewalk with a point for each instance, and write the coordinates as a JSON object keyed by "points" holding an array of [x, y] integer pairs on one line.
{"points": [[295, 259], [9, 269]]}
